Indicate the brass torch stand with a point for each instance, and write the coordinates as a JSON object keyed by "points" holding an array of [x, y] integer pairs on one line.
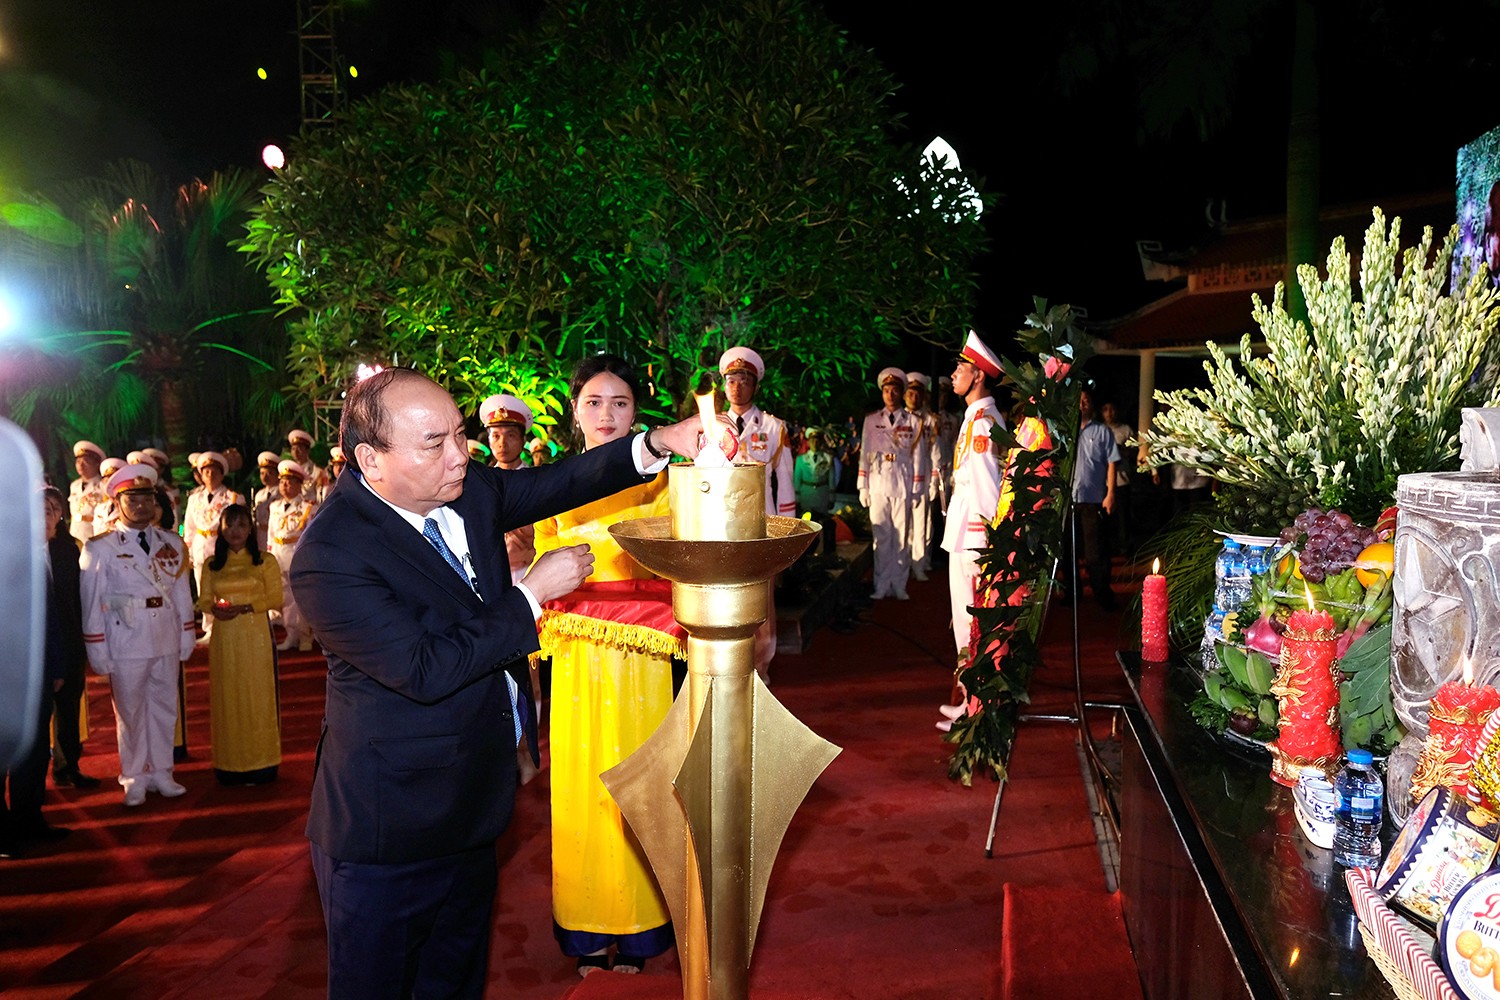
{"points": [[738, 761]]}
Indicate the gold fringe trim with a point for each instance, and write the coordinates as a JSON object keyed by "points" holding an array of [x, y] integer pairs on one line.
{"points": [[557, 627]]}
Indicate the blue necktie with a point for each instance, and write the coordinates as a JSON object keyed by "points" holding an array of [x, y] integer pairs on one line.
{"points": [[432, 534]]}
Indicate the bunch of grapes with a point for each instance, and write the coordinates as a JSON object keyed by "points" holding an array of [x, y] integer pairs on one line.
{"points": [[1331, 541]]}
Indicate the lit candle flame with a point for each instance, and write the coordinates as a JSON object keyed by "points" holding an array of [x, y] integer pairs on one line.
{"points": [[711, 455], [1156, 566], [1308, 591], [1468, 670]]}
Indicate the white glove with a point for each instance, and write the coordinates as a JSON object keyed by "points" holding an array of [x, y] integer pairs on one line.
{"points": [[864, 498]]}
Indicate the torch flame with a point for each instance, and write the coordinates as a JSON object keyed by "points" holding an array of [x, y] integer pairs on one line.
{"points": [[1156, 566], [711, 455], [1308, 591]]}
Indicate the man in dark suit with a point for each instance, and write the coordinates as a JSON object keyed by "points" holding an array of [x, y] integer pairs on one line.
{"points": [[404, 579]]}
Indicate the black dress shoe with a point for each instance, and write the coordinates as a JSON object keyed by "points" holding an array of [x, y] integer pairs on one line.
{"points": [[45, 833], [71, 777]]}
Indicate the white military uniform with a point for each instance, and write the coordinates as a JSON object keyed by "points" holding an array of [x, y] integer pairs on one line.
{"points": [[763, 439], [926, 472], [200, 523], [887, 476], [971, 509], [313, 477], [84, 497], [288, 521], [260, 507], [138, 628]]}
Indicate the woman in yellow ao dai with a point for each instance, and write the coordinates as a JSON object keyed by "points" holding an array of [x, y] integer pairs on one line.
{"points": [[610, 691], [237, 586]]}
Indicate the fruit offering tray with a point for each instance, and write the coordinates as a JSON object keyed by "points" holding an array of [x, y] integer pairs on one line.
{"points": [[1405, 961]]}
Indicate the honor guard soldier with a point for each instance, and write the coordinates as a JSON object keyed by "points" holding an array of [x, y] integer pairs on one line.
{"points": [[266, 463], [313, 476], [290, 512], [764, 439], [927, 463], [86, 492], [887, 480], [335, 468], [138, 628], [507, 421], [479, 452], [976, 481], [104, 511], [201, 521]]}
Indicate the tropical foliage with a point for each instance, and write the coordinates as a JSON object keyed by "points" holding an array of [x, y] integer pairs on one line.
{"points": [[662, 180], [1371, 386], [146, 321], [1023, 545]]}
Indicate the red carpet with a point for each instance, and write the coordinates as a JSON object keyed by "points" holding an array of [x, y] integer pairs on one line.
{"points": [[1082, 926], [881, 888]]}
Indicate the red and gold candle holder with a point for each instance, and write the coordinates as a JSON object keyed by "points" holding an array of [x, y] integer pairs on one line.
{"points": [[1154, 616], [1307, 693], [1457, 717]]}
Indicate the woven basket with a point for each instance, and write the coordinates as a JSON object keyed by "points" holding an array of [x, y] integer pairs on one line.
{"points": [[1388, 967], [1406, 965]]}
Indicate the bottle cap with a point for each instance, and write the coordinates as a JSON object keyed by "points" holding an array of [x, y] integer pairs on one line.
{"points": [[1361, 757]]}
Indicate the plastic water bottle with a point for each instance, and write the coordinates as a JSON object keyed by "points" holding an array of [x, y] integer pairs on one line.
{"points": [[1229, 564], [1213, 631], [1361, 805]]}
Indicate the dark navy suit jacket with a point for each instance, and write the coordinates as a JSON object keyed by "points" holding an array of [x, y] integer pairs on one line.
{"points": [[417, 756]]}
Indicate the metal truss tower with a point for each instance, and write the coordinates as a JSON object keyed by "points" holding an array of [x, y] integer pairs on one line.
{"points": [[317, 60]]}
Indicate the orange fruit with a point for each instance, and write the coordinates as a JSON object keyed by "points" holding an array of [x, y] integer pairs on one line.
{"points": [[1290, 557], [1377, 560]]}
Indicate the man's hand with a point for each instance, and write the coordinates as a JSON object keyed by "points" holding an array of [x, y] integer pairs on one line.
{"points": [[681, 438], [864, 498], [527, 770], [559, 572], [1109, 502]]}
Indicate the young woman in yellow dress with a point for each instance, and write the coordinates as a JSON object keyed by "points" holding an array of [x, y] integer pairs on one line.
{"points": [[611, 644], [239, 585]]}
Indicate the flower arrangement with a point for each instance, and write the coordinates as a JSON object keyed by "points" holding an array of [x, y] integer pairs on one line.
{"points": [[1369, 387]]}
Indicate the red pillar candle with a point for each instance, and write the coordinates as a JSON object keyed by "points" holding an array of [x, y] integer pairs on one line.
{"points": [[1307, 693], [1154, 616], [1457, 716]]}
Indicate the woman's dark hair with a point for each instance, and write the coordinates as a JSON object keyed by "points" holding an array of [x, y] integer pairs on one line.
{"points": [[364, 419], [598, 365], [166, 520], [221, 547]]}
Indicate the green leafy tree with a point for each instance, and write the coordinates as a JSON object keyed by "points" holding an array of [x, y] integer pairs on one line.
{"points": [[661, 180], [150, 323]]}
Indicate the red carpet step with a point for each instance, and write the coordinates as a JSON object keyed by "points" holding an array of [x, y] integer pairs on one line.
{"points": [[1060, 941]]}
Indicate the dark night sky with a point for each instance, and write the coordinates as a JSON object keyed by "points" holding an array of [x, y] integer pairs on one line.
{"points": [[173, 82]]}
